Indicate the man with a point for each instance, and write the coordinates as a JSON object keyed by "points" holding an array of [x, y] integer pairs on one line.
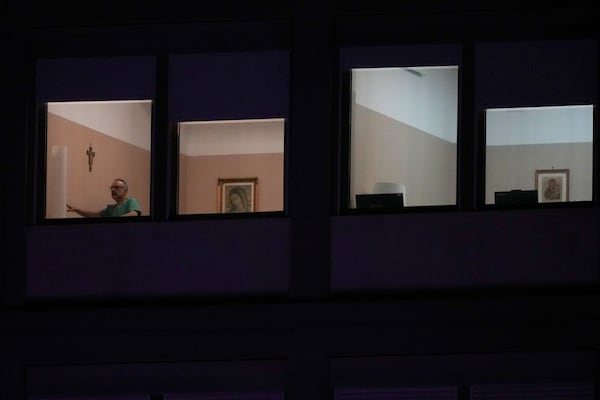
{"points": [[124, 206]]}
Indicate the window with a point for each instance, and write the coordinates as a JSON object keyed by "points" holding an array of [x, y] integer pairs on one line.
{"points": [[94, 397], [95, 126], [537, 102], [208, 380], [404, 393], [231, 166], [547, 151], [478, 376], [403, 133], [230, 115], [226, 396], [549, 391], [399, 126], [89, 144]]}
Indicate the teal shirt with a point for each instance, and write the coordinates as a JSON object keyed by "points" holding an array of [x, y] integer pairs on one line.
{"points": [[130, 204]]}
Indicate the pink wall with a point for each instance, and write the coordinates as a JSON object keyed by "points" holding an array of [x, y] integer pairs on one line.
{"points": [[114, 159], [199, 177]]}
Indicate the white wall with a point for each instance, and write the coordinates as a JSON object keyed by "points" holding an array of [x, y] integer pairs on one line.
{"points": [[428, 102], [129, 121]]}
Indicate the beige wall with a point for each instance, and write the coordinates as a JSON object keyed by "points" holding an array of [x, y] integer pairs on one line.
{"points": [[199, 175], [513, 167], [113, 159], [386, 150]]}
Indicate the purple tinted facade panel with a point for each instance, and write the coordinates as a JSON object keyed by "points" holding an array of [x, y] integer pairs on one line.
{"points": [[87, 79], [462, 250], [222, 86], [228, 257]]}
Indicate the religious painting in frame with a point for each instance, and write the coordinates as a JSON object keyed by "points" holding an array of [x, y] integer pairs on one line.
{"points": [[237, 195], [552, 185]]}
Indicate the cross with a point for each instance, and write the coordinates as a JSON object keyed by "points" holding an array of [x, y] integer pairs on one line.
{"points": [[90, 153]]}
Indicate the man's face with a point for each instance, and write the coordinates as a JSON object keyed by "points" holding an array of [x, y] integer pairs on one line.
{"points": [[117, 190]]}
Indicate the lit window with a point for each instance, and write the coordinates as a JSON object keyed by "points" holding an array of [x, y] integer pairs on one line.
{"points": [[539, 154], [234, 166], [89, 145], [230, 110], [403, 136]]}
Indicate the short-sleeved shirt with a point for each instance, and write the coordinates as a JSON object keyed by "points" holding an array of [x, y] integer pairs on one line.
{"points": [[113, 210]]}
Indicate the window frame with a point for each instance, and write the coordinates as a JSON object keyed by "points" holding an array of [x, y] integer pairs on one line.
{"points": [[38, 152], [567, 204], [479, 113], [343, 168], [172, 119]]}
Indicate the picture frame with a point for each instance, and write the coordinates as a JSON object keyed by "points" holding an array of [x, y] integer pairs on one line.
{"points": [[237, 195], [552, 185]]}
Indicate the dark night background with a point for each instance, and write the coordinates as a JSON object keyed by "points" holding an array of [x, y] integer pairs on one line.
{"points": [[312, 299]]}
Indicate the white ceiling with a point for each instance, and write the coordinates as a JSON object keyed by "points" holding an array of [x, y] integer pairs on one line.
{"points": [[260, 136], [539, 125]]}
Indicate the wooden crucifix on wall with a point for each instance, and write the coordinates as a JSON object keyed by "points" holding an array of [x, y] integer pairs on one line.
{"points": [[91, 154]]}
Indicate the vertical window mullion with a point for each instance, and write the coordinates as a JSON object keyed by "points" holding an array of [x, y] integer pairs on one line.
{"points": [[469, 157], [161, 164]]}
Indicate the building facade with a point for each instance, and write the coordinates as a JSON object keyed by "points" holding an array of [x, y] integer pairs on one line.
{"points": [[311, 298]]}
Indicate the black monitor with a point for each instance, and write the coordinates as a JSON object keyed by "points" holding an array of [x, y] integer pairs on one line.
{"points": [[516, 197], [380, 200]]}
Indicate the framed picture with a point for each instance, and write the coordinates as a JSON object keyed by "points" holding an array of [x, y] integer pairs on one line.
{"points": [[552, 185], [237, 195]]}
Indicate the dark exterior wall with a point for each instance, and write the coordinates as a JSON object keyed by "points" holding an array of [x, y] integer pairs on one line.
{"points": [[290, 315]]}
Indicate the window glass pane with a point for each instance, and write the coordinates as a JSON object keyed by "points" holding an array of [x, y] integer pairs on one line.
{"points": [[211, 380], [403, 133], [89, 145], [94, 397], [539, 154], [547, 391], [233, 166], [401, 393], [257, 395]]}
